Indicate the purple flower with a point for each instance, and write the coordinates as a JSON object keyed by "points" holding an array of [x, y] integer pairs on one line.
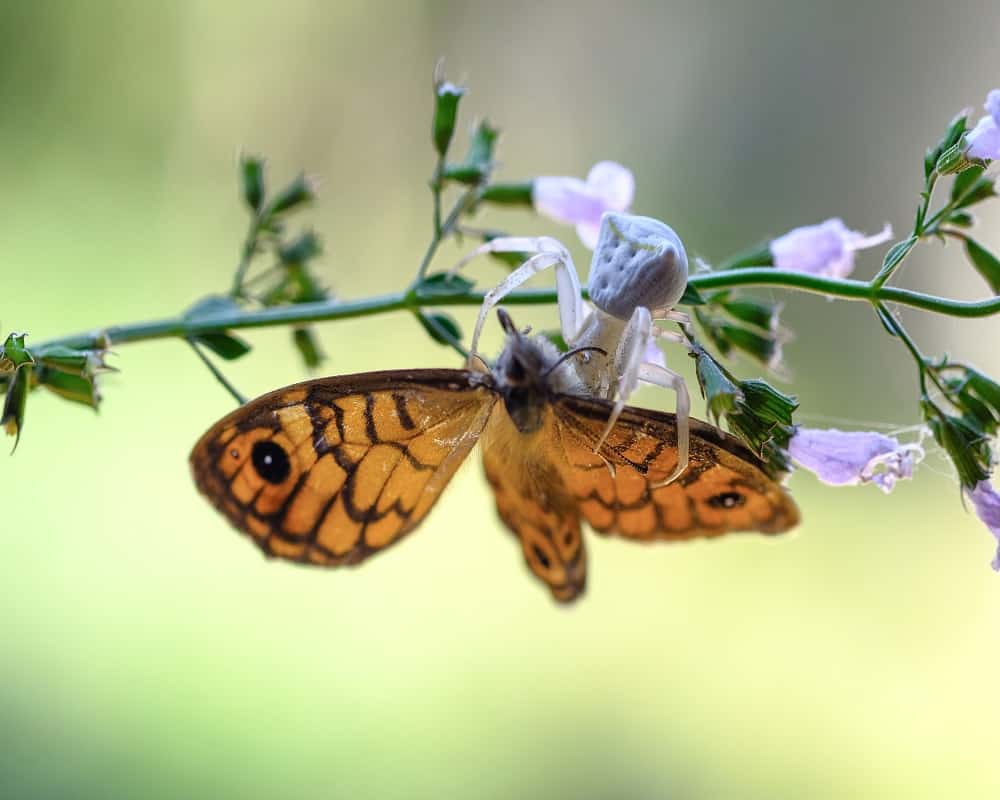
{"points": [[984, 140], [609, 187], [826, 249], [987, 502], [842, 458]]}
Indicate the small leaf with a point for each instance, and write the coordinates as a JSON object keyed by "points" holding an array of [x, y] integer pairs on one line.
{"points": [[756, 313], [15, 403], [897, 253], [986, 264], [308, 347], [691, 297], [211, 306], [962, 219], [766, 349], [301, 249], [884, 318], [252, 181], [298, 192], [224, 345], [964, 181], [718, 387], [13, 353], [966, 444], [508, 194], [981, 189], [757, 256], [442, 285], [75, 388], [441, 327]]}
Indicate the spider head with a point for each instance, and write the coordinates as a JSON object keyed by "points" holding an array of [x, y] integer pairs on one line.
{"points": [[638, 261]]}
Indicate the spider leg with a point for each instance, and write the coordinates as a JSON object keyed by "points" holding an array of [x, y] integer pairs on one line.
{"points": [[547, 252], [632, 369], [668, 379]]}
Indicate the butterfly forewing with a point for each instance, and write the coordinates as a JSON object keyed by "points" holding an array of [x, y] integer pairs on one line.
{"points": [[724, 488], [332, 470]]}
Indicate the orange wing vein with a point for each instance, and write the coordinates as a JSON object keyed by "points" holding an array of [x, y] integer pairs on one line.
{"points": [[332, 470]]}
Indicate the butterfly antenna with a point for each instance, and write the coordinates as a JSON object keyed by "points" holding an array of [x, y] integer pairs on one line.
{"points": [[574, 352]]}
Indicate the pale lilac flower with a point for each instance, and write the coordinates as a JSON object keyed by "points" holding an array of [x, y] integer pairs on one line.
{"points": [[826, 249], [847, 458], [609, 187], [987, 502], [984, 140]]}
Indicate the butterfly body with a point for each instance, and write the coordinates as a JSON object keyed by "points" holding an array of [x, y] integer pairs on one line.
{"points": [[333, 470]]}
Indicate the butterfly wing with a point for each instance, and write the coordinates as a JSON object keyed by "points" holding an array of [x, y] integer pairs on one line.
{"points": [[534, 503], [724, 488], [332, 470]]}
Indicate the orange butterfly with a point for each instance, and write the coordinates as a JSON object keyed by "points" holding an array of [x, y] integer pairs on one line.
{"points": [[332, 470]]}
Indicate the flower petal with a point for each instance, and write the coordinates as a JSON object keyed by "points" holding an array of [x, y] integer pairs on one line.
{"points": [[992, 105], [613, 183], [589, 233], [825, 249], [984, 140], [843, 458], [567, 200], [986, 501]]}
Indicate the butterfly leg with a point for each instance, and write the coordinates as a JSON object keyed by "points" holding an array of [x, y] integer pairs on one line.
{"points": [[547, 252]]}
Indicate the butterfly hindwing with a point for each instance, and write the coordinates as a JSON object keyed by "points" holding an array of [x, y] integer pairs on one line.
{"points": [[724, 488], [332, 470], [533, 502]]}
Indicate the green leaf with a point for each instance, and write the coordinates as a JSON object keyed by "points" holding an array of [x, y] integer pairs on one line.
{"points": [[962, 219], [691, 297], [252, 181], [985, 387], [895, 254], [13, 353], [482, 145], [885, 319], [718, 387], [15, 403], [74, 361], [440, 284], [211, 306], [964, 181], [981, 189], [768, 403], [224, 345], [441, 327], [75, 388], [446, 97], [756, 256], [299, 192], [302, 249], [305, 342], [508, 194], [756, 313], [766, 349], [986, 264], [967, 444]]}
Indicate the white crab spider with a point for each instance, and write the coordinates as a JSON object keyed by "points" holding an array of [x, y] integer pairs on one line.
{"points": [[638, 273]]}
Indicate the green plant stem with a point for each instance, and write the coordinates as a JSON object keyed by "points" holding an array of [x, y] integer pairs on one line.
{"points": [[217, 373], [246, 256], [182, 327]]}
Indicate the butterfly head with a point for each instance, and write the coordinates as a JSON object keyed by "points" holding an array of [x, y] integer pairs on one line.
{"points": [[528, 371]]}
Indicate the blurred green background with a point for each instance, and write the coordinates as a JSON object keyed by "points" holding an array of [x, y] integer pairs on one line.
{"points": [[147, 650]]}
